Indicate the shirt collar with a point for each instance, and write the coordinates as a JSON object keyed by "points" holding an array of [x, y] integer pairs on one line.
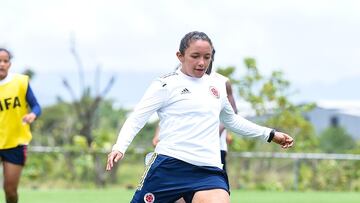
{"points": [[7, 79]]}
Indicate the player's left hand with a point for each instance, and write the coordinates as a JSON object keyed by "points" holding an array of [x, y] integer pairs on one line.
{"points": [[113, 157], [283, 139], [29, 118]]}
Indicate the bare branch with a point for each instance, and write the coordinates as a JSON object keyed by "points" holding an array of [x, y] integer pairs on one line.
{"points": [[72, 94], [78, 61], [97, 79], [68, 87], [108, 86]]}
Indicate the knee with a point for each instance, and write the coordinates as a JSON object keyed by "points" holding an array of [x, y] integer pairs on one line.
{"points": [[10, 191]]}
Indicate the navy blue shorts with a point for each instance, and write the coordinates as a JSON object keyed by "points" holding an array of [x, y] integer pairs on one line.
{"points": [[166, 179], [16, 155]]}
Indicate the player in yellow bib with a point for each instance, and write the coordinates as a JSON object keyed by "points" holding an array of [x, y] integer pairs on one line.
{"points": [[16, 98]]}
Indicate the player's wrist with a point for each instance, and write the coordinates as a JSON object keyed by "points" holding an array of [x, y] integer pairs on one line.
{"points": [[271, 135]]}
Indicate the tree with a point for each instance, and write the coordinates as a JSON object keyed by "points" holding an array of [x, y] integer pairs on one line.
{"points": [[269, 98], [336, 140], [29, 72], [86, 108]]}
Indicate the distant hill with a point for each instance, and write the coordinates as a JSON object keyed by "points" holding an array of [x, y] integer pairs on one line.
{"points": [[130, 86]]}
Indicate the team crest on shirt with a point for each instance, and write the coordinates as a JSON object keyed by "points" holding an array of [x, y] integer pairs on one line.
{"points": [[214, 92], [149, 198]]}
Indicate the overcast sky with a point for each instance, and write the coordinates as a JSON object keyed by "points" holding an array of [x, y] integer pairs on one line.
{"points": [[314, 42]]}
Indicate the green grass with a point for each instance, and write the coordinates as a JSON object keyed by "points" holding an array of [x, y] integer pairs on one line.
{"points": [[294, 197], [123, 196]]}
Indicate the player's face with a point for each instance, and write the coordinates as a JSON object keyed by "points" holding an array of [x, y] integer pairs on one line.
{"points": [[4, 64], [196, 58]]}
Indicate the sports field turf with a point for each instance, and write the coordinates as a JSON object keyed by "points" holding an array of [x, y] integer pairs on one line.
{"points": [[124, 196]]}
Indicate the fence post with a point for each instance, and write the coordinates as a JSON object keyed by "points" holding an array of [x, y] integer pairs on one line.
{"points": [[296, 173]]}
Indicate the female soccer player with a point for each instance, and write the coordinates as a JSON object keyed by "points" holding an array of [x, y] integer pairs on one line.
{"points": [[15, 97], [190, 105]]}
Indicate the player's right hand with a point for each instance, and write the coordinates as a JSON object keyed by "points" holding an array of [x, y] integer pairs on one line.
{"points": [[113, 157], [283, 139], [29, 118]]}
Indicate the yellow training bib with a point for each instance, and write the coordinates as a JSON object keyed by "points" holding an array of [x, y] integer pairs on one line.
{"points": [[13, 107]]}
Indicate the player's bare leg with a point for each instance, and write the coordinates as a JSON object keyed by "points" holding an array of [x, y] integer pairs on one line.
{"points": [[12, 173], [211, 196]]}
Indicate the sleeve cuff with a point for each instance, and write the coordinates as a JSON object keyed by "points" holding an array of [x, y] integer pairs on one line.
{"points": [[271, 135], [118, 148]]}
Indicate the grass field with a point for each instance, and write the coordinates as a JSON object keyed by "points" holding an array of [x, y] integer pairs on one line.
{"points": [[124, 196]]}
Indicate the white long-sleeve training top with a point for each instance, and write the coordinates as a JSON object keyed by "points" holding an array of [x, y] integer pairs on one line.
{"points": [[222, 79], [190, 110]]}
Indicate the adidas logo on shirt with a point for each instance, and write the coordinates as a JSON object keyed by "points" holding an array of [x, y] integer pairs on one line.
{"points": [[185, 91]]}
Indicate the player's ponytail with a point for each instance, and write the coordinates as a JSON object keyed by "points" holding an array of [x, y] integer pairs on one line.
{"points": [[209, 69]]}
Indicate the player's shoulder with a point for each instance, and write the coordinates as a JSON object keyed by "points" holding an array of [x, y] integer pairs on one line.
{"points": [[18, 77], [168, 78], [221, 77]]}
